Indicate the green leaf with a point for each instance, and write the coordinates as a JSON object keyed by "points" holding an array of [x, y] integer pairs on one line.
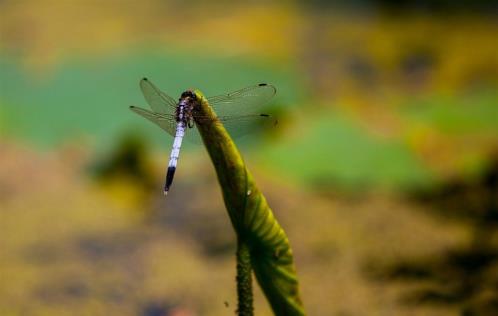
{"points": [[257, 230]]}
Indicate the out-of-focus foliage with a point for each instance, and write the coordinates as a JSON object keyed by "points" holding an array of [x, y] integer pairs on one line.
{"points": [[371, 68]]}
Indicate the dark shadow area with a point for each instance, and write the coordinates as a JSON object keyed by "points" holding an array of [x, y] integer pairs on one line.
{"points": [[431, 6], [465, 276], [163, 309], [130, 159]]}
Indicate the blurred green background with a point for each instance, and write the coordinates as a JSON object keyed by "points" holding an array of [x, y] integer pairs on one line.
{"points": [[383, 169]]}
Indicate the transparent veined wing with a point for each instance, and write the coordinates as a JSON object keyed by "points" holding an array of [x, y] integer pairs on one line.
{"points": [[241, 125], [241, 112], [158, 101], [165, 121], [243, 102], [168, 123], [192, 135]]}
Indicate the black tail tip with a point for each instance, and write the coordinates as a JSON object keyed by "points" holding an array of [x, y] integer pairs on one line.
{"points": [[169, 179]]}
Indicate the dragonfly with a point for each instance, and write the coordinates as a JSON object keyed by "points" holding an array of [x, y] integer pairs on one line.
{"points": [[238, 111]]}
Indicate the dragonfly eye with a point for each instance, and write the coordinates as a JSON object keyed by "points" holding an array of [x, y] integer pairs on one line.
{"points": [[188, 93]]}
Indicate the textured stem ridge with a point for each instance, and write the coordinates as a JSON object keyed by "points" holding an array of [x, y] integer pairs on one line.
{"points": [[260, 238], [244, 280]]}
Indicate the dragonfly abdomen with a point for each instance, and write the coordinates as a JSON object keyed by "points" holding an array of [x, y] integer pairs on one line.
{"points": [[175, 153]]}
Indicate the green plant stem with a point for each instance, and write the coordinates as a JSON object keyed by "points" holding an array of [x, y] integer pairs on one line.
{"points": [[262, 245], [244, 280]]}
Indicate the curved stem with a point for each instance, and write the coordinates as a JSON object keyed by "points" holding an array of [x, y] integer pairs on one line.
{"points": [[262, 245]]}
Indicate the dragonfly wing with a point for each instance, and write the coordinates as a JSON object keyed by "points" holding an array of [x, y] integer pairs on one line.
{"points": [[238, 126], [242, 102], [158, 101], [165, 121], [241, 111], [193, 136], [241, 125]]}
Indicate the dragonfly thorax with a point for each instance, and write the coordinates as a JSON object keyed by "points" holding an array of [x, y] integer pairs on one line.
{"points": [[185, 108]]}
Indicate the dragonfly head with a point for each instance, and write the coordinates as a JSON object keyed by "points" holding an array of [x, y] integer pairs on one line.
{"points": [[193, 97], [188, 94]]}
